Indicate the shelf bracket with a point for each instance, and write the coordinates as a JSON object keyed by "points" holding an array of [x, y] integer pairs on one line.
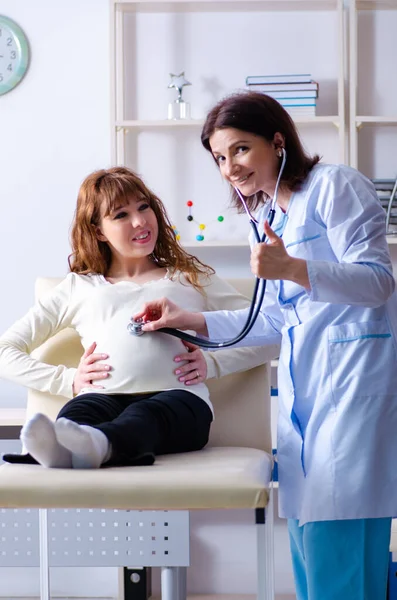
{"points": [[359, 125], [119, 128]]}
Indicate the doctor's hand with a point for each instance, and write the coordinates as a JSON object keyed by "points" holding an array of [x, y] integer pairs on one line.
{"points": [[164, 313], [90, 370], [195, 369], [271, 260]]}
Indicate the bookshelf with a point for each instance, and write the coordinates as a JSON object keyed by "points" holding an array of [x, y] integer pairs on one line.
{"points": [[361, 119], [139, 98]]}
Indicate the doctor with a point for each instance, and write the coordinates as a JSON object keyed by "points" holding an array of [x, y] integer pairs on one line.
{"points": [[330, 300]]}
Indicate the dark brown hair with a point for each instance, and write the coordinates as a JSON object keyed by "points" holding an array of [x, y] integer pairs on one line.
{"points": [[261, 115], [113, 188]]}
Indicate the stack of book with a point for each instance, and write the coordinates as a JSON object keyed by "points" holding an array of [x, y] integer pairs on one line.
{"points": [[387, 194], [296, 93]]}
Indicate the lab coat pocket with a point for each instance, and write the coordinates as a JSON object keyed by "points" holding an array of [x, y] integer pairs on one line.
{"points": [[309, 241], [356, 351]]}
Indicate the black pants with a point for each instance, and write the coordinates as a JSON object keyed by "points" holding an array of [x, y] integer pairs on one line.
{"points": [[141, 426]]}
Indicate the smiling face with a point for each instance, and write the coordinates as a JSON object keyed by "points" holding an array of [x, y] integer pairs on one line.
{"points": [[130, 230], [245, 160]]}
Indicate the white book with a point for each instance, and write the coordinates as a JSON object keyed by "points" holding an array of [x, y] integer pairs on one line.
{"points": [[282, 95], [289, 78], [293, 112], [283, 87], [296, 101], [300, 109]]}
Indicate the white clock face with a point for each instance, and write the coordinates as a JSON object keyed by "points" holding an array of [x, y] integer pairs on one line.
{"points": [[14, 54]]}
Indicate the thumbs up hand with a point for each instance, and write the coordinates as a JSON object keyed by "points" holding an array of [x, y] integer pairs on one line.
{"points": [[270, 260]]}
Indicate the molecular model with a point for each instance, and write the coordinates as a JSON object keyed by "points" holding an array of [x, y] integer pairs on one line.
{"points": [[201, 226]]}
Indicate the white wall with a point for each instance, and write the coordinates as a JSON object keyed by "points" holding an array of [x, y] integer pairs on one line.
{"points": [[54, 130]]}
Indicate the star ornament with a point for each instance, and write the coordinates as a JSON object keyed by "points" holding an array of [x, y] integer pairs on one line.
{"points": [[178, 82]]}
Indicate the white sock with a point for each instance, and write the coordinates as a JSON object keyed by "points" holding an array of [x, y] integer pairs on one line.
{"points": [[89, 446], [38, 437]]}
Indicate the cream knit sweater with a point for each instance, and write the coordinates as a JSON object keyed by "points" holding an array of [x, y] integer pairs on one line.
{"points": [[100, 312]]}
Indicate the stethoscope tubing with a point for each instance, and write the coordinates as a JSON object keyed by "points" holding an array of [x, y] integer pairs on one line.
{"points": [[256, 304], [259, 288]]}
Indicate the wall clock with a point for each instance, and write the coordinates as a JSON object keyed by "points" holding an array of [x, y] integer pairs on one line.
{"points": [[14, 54]]}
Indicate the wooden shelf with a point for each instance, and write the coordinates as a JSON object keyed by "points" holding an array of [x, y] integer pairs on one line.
{"points": [[224, 5], [332, 119], [391, 239], [164, 123], [160, 123], [376, 4], [375, 120]]}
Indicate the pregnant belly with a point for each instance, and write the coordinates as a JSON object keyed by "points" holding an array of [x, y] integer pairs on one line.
{"points": [[143, 363]]}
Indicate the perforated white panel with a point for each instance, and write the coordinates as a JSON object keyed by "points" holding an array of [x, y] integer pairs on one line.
{"points": [[19, 537], [88, 537]]}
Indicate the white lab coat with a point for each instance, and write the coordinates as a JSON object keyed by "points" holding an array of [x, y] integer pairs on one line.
{"points": [[337, 430]]}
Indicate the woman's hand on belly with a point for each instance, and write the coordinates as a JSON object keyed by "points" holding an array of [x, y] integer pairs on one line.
{"points": [[195, 368], [90, 370]]}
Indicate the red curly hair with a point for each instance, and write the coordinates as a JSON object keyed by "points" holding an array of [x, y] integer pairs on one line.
{"points": [[113, 188]]}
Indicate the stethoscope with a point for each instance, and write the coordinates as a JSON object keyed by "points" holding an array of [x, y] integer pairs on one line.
{"points": [[135, 327]]}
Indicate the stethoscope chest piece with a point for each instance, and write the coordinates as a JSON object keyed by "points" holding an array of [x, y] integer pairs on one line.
{"points": [[135, 327]]}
